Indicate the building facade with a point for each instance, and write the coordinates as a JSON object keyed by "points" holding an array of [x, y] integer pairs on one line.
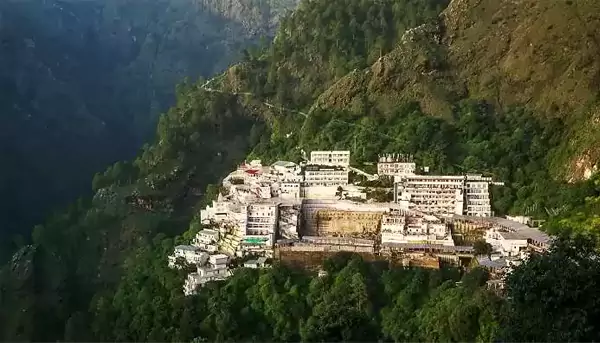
{"points": [[191, 254], [207, 240], [332, 158], [395, 165], [414, 230], [216, 269], [327, 176], [444, 194]]}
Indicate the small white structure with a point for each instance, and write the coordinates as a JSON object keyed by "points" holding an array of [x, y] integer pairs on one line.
{"points": [[216, 213], [353, 192], [319, 192], [284, 167], [207, 240], [261, 262], [520, 219], [218, 259], [214, 270], [332, 158], [191, 254], [510, 244]]}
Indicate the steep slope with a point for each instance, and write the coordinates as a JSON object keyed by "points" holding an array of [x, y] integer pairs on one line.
{"points": [[82, 83], [365, 75], [548, 51], [488, 50]]}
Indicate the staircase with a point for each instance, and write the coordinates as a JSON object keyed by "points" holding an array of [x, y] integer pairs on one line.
{"points": [[230, 242]]}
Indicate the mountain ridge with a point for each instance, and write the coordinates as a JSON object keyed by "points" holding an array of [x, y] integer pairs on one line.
{"points": [[100, 269]]}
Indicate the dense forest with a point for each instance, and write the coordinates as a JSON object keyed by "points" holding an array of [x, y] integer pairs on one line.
{"points": [[97, 271], [83, 82]]}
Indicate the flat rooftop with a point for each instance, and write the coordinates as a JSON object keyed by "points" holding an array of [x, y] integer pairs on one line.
{"points": [[522, 229], [187, 248], [512, 235]]}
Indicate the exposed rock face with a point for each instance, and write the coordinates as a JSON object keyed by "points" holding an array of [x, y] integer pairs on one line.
{"points": [[259, 17]]}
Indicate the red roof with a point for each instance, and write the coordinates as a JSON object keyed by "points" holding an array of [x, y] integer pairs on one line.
{"points": [[252, 171]]}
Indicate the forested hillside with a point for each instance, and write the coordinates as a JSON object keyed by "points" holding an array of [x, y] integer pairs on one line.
{"points": [[364, 75], [82, 84]]}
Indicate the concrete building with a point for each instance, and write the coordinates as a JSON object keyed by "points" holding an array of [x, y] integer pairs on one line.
{"points": [[260, 228], [536, 240], [260, 262], [444, 194], [189, 253], [415, 230], [289, 190], [214, 270], [477, 195], [284, 167], [335, 158], [510, 244], [323, 175], [395, 165], [206, 240], [218, 259], [218, 212]]}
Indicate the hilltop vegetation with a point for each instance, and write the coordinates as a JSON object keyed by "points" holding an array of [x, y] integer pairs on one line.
{"points": [[350, 74]]}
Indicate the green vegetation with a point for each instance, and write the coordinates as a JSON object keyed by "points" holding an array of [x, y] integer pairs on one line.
{"points": [[340, 74], [82, 84], [355, 301]]}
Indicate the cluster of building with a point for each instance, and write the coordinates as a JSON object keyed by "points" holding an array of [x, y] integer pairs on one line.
{"points": [[444, 195], [284, 208], [512, 241]]}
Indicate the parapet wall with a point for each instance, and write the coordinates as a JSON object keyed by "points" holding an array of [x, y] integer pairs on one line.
{"points": [[312, 259]]}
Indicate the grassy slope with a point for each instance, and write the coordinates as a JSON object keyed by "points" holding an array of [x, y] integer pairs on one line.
{"points": [[541, 55]]}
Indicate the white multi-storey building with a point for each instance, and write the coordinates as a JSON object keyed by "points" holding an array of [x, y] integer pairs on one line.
{"points": [[207, 240], [191, 254], [395, 165], [289, 190], [260, 228], [218, 212], [332, 158], [477, 196], [328, 176], [445, 195], [442, 195], [413, 229]]}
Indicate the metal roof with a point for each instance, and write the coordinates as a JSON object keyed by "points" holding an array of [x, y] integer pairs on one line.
{"points": [[286, 164], [521, 229]]}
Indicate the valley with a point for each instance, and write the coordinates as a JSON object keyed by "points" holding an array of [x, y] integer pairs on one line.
{"points": [[83, 84], [472, 92]]}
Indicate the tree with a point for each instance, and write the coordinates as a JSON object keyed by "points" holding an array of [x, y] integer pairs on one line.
{"points": [[555, 296], [481, 247]]}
